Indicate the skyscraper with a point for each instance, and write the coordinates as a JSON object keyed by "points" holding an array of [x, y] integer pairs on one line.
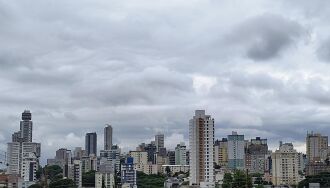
{"points": [[91, 144], [107, 137], [26, 126], [316, 147], [201, 141], [236, 155], [159, 141], [255, 156]]}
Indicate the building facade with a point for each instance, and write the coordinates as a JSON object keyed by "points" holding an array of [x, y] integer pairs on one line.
{"points": [[201, 143], [180, 154], [91, 144], [316, 147], [108, 137], [236, 153]]}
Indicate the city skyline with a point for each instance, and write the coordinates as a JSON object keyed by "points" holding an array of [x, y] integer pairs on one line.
{"points": [[144, 67]]}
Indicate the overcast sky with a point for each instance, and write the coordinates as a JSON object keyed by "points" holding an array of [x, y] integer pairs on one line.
{"points": [[258, 67]]}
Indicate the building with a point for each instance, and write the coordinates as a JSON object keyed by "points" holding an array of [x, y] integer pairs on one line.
{"points": [[140, 159], [315, 168], [78, 152], [108, 137], [128, 173], [175, 168], [285, 165], [75, 172], [26, 126], [180, 154], [255, 155], [159, 141], [89, 163], [91, 144], [201, 142], [23, 155], [170, 158], [236, 154], [221, 152], [110, 159], [316, 147]]}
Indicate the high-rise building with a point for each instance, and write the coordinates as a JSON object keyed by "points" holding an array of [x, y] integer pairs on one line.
{"points": [[159, 141], [201, 143], [285, 165], [221, 152], [110, 159], [91, 144], [255, 156], [236, 155], [171, 157], [26, 126], [23, 154], [108, 137], [75, 172], [316, 147], [180, 154]]}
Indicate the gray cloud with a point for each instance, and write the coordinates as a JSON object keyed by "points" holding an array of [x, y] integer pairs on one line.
{"points": [[265, 36], [146, 66]]}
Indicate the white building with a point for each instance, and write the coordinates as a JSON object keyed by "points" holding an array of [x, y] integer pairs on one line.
{"points": [[75, 172], [285, 165], [140, 159], [201, 141], [106, 180], [175, 168], [180, 154]]}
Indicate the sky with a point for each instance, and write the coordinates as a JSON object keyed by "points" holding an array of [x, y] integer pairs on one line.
{"points": [[257, 67]]}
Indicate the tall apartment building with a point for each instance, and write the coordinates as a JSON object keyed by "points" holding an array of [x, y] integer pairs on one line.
{"points": [[201, 142], [26, 126], [108, 137], [159, 141], [180, 154], [236, 154], [221, 152], [316, 147], [23, 154], [75, 172], [285, 165], [110, 159], [255, 156], [91, 144]]}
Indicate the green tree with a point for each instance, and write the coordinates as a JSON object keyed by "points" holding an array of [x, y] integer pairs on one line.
{"points": [[67, 183], [35, 186], [53, 172], [322, 178], [88, 179], [150, 181], [227, 180]]}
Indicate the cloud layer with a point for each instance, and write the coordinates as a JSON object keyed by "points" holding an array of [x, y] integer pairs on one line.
{"points": [[261, 68]]}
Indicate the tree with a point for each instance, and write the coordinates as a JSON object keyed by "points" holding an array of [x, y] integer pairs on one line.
{"points": [[322, 178], [53, 172], [150, 181], [227, 180], [35, 186], [68, 183], [88, 179]]}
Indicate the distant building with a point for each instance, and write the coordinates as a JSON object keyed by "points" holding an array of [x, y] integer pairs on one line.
{"points": [[91, 144], [108, 137], [201, 143], [111, 158], [26, 126], [255, 156], [128, 173], [140, 159], [316, 147], [180, 154], [315, 168], [75, 172], [221, 152], [159, 141], [285, 165], [236, 154], [171, 157]]}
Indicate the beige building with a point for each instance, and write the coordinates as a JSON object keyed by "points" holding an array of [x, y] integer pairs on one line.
{"points": [[285, 165], [221, 152], [316, 147]]}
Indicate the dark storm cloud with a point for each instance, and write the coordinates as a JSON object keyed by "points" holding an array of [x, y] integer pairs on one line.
{"points": [[265, 36]]}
